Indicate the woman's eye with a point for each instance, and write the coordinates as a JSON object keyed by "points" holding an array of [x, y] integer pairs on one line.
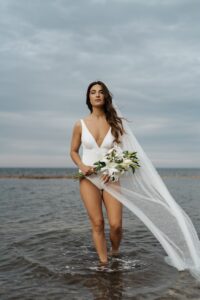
{"points": [[94, 92]]}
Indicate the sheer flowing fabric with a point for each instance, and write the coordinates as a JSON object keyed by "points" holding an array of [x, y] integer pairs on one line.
{"points": [[146, 195]]}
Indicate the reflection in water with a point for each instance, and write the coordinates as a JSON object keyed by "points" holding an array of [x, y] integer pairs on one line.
{"points": [[107, 282]]}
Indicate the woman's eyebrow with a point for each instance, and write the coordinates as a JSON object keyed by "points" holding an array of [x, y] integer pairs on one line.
{"points": [[95, 90]]}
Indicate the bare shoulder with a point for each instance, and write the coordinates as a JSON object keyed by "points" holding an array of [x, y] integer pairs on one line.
{"points": [[77, 126]]}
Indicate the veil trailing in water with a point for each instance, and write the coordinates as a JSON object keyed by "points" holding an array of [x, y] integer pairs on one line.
{"points": [[146, 195]]}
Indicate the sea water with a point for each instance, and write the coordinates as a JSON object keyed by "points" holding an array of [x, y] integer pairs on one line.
{"points": [[47, 250]]}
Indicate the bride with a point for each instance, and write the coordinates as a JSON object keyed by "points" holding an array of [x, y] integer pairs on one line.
{"points": [[143, 192], [97, 132]]}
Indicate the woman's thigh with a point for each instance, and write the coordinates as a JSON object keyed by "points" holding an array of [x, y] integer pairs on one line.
{"points": [[114, 209], [92, 199]]}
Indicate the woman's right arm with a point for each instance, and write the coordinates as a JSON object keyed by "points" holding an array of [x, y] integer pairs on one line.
{"points": [[74, 151]]}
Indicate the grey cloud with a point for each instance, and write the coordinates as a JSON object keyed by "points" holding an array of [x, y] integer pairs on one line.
{"points": [[146, 52]]}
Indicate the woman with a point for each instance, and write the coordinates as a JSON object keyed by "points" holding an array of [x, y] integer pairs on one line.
{"points": [[143, 192], [97, 132]]}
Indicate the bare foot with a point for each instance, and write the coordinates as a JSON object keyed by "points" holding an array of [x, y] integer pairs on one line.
{"points": [[114, 252], [103, 263]]}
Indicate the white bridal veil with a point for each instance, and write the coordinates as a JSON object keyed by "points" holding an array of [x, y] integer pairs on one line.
{"points": [[146, 195]]}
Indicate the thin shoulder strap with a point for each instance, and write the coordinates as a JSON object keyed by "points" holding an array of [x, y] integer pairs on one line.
{"points": [[82, 126], [82, 123]]}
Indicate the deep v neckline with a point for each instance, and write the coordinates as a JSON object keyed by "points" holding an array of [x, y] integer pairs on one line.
{"points": [[93, 136]]}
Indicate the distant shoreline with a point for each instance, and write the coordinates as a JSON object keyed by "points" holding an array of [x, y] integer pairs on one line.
{"points": [[72, 176], [37, 176]]}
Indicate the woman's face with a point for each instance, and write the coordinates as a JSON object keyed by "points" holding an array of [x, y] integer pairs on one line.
{"points": [[96, 95]]}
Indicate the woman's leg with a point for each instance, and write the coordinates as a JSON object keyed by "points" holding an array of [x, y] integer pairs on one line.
{"points": [[92, 199], [114, 212]]}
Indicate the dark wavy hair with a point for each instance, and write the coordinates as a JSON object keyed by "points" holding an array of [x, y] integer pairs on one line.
{"points": [[112, 118]]}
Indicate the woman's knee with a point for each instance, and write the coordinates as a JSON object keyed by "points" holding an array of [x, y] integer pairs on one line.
{"points": [[98, 225], [116, 227]]}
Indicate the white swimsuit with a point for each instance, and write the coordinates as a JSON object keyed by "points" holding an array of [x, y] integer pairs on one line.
{"points": [[91, 151]]}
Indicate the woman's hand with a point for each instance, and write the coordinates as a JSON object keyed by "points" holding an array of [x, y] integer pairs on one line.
{"points": [[105, 178], [87, 170]]}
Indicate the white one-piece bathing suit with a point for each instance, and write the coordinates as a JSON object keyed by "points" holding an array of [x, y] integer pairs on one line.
{"points": [[92, 152]]}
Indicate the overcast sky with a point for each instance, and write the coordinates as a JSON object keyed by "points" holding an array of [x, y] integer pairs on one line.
{"points": [[147, 53]]}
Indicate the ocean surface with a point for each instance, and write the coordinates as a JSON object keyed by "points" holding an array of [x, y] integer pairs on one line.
{"points": [[46, 247]]}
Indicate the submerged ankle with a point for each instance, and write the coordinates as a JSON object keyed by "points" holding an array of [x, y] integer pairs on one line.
{"points": [[103, 262]]}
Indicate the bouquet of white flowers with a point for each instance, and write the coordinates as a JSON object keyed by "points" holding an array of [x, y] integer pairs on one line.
{"points": [[115, 163]]}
